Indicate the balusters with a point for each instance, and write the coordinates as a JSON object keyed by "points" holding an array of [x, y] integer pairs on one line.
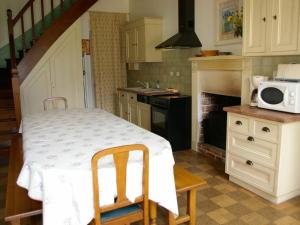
{"points": [[10, 25], [43, 14], [23, 35], [62, 6], [52, 9], [32, 22]]}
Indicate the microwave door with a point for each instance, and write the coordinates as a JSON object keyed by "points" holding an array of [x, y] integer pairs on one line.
{"points": [[273, 95]]}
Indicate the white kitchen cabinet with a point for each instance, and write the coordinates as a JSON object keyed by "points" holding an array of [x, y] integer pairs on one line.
{"points": [[123, 105], [133, 111], [58, 73], [141, 38], [263, 156], [255, 26], [271, 27], [144, 115]]}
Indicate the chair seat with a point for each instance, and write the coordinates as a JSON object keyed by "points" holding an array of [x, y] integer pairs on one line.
{"points": [[120, 212]]}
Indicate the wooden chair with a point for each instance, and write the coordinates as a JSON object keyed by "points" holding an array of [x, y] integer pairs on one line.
{"points": [[122, 212], [189, 183], [54, 101]]}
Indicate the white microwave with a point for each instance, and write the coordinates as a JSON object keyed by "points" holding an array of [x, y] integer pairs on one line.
{"points": [[279, 95]]}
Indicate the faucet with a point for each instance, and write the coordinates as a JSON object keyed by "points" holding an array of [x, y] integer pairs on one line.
{"points": [[144, 84]]}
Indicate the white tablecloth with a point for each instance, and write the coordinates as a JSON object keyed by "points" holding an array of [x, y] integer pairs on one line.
{"points": [[58, 147]]}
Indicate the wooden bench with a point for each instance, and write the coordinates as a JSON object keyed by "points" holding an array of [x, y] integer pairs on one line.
{"points": [[18, 204], [186, 182]]}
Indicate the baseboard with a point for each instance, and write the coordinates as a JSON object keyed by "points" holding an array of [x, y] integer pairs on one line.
{"points": [[269, 197]]}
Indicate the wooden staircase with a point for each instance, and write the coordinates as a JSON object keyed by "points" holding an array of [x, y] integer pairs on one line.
{"points": [[23, 60]]}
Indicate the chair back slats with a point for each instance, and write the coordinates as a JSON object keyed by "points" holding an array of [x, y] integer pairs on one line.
{"points": [[120, 157], [121, 160], [55, 102]]}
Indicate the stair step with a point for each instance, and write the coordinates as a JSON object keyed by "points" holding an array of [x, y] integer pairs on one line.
{"points": [[6, 103], [8, 126], [6, 93], [7, 114]]}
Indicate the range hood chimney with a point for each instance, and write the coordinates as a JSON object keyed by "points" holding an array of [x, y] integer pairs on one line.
{"points": [[186, 36]]}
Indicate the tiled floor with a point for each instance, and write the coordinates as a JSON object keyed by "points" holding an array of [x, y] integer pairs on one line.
{"points": [[219, 202]]}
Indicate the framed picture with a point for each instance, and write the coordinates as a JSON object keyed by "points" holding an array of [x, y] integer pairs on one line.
{"points": [[224, 29]]}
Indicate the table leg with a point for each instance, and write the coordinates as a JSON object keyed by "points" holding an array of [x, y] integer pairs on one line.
{"points": [[153, 213], [192, 206]]}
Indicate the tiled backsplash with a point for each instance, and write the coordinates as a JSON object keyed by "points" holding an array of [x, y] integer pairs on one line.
{"points": [[265, 66], [177, 61], [173, 61]]}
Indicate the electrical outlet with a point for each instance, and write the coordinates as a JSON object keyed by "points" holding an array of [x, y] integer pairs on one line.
{"points": [[177, 74], [171, 74]]}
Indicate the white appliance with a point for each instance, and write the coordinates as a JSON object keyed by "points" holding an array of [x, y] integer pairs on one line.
{"points": [[282, 95], [254, 82]]}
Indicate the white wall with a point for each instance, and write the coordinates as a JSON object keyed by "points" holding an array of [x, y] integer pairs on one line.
{"points": [[205, 17]]}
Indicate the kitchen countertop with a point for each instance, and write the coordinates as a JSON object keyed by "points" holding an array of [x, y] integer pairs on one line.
{"points": [[147, 91], [266, 114]]}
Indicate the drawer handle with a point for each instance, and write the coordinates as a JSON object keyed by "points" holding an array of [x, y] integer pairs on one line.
{"points": [[122, 95], [249, 162], [250, 138], [239, 123], [131, 97], [266, 129]]}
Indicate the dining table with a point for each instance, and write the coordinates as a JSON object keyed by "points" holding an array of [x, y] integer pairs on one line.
{"points": [[58, 147]]}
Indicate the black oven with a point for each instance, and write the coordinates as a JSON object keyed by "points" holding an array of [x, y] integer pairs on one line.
{"points": [[171, 119]]}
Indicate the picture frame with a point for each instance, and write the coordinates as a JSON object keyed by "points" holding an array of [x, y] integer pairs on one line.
{"points": [[224, 33]]}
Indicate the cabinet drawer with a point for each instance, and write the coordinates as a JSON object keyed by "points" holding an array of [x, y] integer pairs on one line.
{"points": [[253, 148], [238, 123], [250, 172], [266, 131], [122, 95], [132, 97]]}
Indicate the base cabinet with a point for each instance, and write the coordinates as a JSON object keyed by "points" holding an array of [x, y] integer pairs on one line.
{"points": [[263, 156], [144, 115], [133, 111]]}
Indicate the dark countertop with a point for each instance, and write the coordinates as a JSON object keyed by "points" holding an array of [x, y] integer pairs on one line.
{"points": [[266, 114], [160, 92]]}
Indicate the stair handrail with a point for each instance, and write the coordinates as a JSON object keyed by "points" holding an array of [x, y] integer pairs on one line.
{"points": [[11, 22]]}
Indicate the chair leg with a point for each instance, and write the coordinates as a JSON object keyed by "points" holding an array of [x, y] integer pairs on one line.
{"points": [[172, 220], [153, 212], [191, 210]]}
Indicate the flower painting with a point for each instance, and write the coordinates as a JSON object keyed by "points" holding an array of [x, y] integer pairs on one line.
{"points": [[229, 22]]}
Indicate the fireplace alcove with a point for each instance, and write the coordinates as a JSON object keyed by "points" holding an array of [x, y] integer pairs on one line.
{"points": [[216, 82]]}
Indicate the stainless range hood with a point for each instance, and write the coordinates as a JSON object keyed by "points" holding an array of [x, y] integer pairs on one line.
{"points": [[186, 36]]}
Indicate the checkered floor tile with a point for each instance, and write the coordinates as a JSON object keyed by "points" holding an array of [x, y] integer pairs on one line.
{"points": [[220, 202]]}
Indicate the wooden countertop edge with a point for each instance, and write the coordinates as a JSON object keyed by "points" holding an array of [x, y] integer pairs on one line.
{"points": [[266, 114], [147, 94]]}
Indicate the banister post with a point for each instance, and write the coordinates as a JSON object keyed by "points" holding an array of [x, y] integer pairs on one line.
{"points": [[10, 25], [16, 94]]}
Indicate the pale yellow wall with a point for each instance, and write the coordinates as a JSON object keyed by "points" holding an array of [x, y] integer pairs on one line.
{"points": [[168, 9]]}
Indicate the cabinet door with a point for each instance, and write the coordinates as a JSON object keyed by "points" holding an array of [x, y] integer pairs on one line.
{"points": [[285, 23], [35, 89], [140, 43], [132, 112], [144, 115], [123, 105], [66, 70], [130, 45], [255, 25]]}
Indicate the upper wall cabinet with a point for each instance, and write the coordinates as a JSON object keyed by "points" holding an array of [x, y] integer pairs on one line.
{"points": [[141, 38], [271, 27]]}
